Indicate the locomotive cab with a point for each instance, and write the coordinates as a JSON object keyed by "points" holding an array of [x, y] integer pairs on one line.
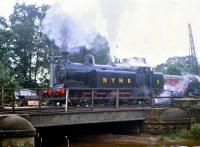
{"points": [[157, 82]]}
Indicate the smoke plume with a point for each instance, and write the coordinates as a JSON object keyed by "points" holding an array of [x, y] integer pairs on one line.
{"points": [[69, 28], [73, 23]]}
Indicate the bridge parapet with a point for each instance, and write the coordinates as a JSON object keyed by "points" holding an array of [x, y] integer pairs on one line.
{"points": [[186, 102], [87, 117]]}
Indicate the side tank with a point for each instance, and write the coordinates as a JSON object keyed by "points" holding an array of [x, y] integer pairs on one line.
{"points": [[77, 74]]}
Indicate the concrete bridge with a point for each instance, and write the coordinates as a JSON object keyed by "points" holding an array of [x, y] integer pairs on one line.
{"points": [[58, 117], [48, 116], [146, 118], [86, 117]]}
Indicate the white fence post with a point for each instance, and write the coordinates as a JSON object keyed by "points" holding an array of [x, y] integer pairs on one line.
{"points": [[117, 99], [66, 100]]}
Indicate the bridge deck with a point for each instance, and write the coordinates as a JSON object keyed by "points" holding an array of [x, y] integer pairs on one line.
{"points": [[58, 116]]}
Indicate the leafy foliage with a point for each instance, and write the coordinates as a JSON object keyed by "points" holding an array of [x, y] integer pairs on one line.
{"points": [[175, 66], [195, 131], [172, 69], [29, 44], [5, 42], [5, 79], [194, 88]]}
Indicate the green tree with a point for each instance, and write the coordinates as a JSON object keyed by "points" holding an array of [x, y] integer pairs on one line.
{"points": [[173, 69], [161, 68], [183, 63], [5, 79], [175, 66], [5, 51], [29, 45]]}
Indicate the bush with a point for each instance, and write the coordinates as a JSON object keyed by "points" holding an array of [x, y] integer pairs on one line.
{"points": [[176, 134], [196, 107], [195, 131]]}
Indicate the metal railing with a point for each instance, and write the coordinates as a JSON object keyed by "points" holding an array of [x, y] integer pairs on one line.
{"points": [[79, 99]]}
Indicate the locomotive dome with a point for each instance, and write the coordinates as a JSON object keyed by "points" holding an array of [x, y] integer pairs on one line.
{"points": [[89, 60], [136, 61], [133, 62]]}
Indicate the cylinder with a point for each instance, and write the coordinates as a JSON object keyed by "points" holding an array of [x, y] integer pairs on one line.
{"points": [[16, 131]]}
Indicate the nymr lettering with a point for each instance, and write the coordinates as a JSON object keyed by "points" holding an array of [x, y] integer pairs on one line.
{"points": [[106, 80]]}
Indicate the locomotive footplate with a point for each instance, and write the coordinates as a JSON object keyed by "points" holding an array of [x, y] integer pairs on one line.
{"points": [[99, 101]]}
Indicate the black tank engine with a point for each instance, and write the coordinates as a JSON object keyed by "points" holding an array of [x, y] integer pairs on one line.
{"points": [[131, 78]]}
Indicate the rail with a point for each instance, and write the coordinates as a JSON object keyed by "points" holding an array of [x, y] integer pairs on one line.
{"points": [[90, 99]]}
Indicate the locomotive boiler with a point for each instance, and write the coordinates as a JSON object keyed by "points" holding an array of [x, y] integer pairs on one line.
{"points": [[132, 79]]}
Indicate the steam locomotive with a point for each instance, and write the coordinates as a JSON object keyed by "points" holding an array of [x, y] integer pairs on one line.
{"points": [[132, 79]]}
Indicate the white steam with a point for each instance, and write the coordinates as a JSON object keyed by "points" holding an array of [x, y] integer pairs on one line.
{"points": [[69, 28], [176, 85], [73, 23]]}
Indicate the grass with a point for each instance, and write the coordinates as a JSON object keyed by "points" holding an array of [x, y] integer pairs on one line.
{"points": [[195, 131], [182, 133]]}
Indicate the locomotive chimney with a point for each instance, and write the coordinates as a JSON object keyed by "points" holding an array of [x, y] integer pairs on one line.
{"points": [[65, 55], [64, 52]]}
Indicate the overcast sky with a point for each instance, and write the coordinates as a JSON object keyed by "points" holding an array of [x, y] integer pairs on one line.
{"points": [[154, 29]]}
